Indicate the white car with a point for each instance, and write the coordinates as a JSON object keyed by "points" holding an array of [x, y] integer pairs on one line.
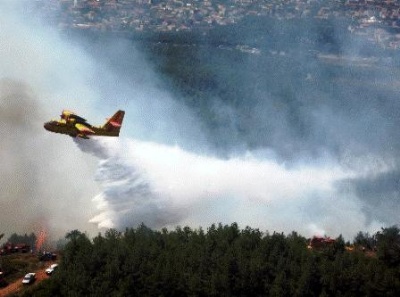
{"points": [[29, 278], [51, 269]]}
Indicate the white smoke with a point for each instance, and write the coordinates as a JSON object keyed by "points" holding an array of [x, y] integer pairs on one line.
{"points": [[45, 178], [164, 186]]}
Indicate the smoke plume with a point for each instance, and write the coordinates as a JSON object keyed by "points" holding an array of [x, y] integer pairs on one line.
{"points": [[311, 147], [41, 179], [162, 186]]}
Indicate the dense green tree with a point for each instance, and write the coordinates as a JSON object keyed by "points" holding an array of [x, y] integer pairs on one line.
{"points": [[364, 240], [76, 261], [26, 239], [222, 261], [388, 245]]}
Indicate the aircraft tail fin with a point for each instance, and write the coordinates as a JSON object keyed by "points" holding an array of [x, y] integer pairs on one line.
{"points": [[113, 124]]}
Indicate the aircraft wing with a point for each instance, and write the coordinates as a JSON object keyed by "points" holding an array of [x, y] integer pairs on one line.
{"points": [[77, 118], [83, 129], [66, 113]]}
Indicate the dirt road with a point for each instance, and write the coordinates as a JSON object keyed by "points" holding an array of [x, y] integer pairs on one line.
{"points": [[17, 285]]}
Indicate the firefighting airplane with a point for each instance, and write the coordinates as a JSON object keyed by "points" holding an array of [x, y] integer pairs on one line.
{"points": [[75, 126]]}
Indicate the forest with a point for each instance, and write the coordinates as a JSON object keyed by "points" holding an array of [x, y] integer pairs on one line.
{"points": [[223, 260]]}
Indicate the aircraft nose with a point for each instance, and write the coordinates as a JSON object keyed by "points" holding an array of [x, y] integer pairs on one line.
{"points": [[47, 126]]}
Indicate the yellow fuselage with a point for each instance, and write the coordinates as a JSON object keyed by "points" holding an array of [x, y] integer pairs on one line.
{"points": [[69, 128]]}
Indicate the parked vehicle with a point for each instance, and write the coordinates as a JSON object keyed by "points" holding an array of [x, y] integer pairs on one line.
{"points": [[51, 269], [47, 256], [29, 278]]}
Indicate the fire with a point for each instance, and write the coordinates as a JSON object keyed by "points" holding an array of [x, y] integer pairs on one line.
{"points": [[40, 240]]}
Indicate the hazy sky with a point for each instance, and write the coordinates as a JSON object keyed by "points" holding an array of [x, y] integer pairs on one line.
{"points": [[155, 172]]}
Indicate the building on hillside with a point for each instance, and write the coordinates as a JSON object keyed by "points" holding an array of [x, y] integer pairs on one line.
{"points": [[320, 242]]}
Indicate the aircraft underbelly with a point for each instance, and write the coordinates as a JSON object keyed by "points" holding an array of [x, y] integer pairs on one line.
{"points": [[66, 130]]}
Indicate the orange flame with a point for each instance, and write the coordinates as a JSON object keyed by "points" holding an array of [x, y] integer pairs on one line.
{"points": [[40, 240]]}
